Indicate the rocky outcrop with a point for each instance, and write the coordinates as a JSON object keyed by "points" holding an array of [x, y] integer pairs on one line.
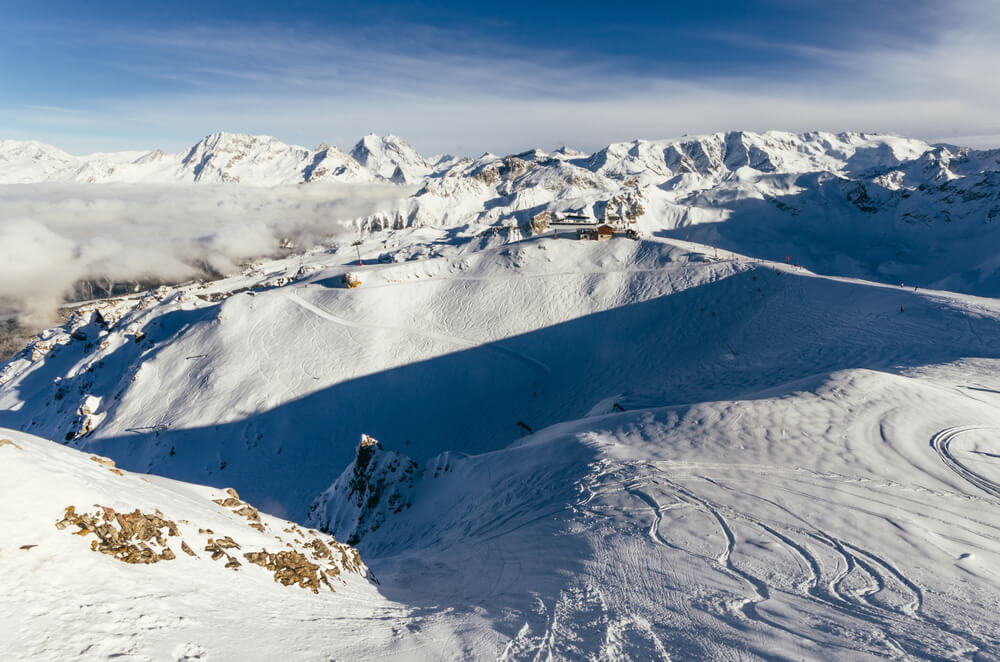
{"points": [[294, 568], [374, 487], [242, 508], [309, 560], [134, 537]]}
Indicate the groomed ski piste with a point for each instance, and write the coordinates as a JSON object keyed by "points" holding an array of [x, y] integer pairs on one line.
{"points": [[631, 449]]}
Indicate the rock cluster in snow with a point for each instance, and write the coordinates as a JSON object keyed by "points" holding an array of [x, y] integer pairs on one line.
{"points": [[134, 537], [144, 538], [141, 534]]}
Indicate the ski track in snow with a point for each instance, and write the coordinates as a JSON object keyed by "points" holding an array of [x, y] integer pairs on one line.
{"points": [[941, 443], [879, 592]]}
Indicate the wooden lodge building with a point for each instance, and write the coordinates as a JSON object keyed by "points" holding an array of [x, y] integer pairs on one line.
{"points": [[600, 233]]}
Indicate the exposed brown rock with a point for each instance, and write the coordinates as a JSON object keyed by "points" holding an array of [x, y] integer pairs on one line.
{"points": [[290, 568], [141, 538], [8, 442], [217, 549], [249, 512], [129, 540], [319, 549], [227, 543], [241, 508], [108, 463]]}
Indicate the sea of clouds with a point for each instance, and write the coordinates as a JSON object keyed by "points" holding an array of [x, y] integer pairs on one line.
{"points": [[53, 236]]}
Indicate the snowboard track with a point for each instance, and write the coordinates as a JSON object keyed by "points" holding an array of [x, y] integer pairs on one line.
{"points": [[848, 579], [941, 443]]}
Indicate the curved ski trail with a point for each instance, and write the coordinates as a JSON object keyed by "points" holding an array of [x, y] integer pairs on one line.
{"points": [[941, 443]]}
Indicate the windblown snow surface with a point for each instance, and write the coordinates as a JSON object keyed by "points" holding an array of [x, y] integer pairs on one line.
{"points": [[662, 448]]}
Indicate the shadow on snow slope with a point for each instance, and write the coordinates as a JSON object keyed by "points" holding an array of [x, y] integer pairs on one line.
{"points": [[755, 330], [861, 230]]}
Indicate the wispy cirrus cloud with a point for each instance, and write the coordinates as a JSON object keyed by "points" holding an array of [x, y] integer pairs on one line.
{"points": [[449, 90]]}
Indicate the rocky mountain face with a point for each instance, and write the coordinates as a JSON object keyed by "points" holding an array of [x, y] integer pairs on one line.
{"points": [[371, 489]]}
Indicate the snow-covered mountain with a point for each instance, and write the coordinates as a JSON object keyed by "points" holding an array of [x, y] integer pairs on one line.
{"points": [[390, 158], [219, 158], [82, 539], [23, 162], [869, 206], [674, 445]]}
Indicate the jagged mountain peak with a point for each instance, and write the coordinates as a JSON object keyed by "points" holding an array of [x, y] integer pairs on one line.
{"points": [[714, 155], [225, 141], [390, 158]]}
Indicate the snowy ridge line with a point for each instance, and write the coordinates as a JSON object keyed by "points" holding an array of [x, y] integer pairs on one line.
{"points": [[220, 158], [224, 157]]}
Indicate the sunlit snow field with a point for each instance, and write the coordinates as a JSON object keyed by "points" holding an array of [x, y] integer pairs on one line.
{"points": [[768, 428]]}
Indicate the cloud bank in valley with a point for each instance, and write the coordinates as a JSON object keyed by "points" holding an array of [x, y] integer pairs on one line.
{"points": [[52, 236]]}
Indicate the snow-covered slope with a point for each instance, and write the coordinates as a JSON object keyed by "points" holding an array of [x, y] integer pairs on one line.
{"points": [[177, 565], [845, 516], [536, 332], [660, 448], [802, 502]]}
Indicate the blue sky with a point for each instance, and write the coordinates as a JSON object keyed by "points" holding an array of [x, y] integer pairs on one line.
{"points": [[466, 77]]}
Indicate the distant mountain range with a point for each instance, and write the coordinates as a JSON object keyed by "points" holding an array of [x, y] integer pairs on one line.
{"points": [[218, 158], [264, 160], [865, 205]]}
